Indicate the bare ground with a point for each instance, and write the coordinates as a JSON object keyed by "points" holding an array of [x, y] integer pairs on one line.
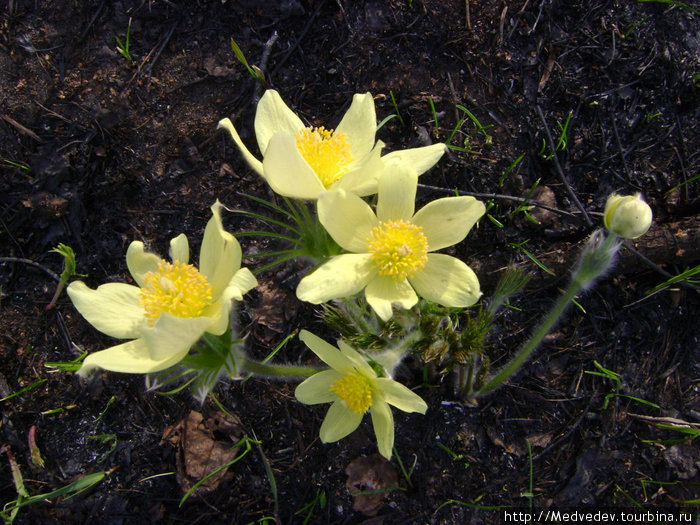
{"points": [[97, 152]]}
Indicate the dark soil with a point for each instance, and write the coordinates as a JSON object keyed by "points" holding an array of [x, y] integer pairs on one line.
{"points": [[97, 152]]}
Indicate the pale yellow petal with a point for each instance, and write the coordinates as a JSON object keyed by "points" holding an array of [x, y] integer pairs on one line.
{"points": [[274, 116], [247, 155], [339, 422], [347, 218], [140, 262], [397, 193], [358, 360], [131, 358], [341, 276], [317, 388], [219, 313], [364, 175], [420, 159], [180, 249], [327, 353], [383, 291], [220, 254], [241, 283], [360, 124], [399, 396], [383, 423], [173, 335], [112, 308], [447, 281], [447, 221], [220, 310], [287, 172]]}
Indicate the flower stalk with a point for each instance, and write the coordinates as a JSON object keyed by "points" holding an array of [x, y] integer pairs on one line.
{"points": [[275, 371], [390, 358], [595, 260]]}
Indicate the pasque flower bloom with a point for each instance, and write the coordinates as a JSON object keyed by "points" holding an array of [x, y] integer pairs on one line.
{"points": [[627, 216], [171, 307], [302, 162], [353, 387], [390, 251]]}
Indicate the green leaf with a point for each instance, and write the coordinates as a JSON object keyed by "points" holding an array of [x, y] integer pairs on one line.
{"points": [[72, 488]]}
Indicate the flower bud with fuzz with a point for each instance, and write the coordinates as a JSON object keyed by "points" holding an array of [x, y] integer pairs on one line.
{"points": [[627, 216]]}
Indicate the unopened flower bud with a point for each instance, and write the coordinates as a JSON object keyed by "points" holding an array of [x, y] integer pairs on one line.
{"points": [[627, 216]]}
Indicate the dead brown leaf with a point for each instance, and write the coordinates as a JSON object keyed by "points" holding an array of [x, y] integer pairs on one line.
{"points": [[540, 440], [277, 307], [548, 67], [499, 439], [544, 195], [369, 474], [199, 451]]}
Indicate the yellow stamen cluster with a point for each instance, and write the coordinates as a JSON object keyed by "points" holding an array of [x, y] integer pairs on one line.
{"points": [[356, 391], [326, 151], [398, 248], [177, 288]]}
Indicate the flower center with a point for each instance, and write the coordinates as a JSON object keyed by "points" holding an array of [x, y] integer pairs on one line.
{"points": [[326, 151], [177, 288], [356, 391], [398, 248]]}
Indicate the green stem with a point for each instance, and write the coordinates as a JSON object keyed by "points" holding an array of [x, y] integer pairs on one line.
{"points": [[466, 380], [59, 288], [595, 260], [534, 341], [224, 345], [267, 370], [391, 357], [356, 313]]}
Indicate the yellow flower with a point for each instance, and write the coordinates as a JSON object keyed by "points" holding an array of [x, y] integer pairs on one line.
{"points": [[171, 307], [627, 216], [302, 162], [353, 387], [390, 251]]}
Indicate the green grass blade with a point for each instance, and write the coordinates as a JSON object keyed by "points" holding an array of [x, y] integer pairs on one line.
{"points": [[16, 164], [69, 366], [675, 279], [435, 117], [673, 2], [21, 390], [532, 257], [385, 120], [678, 186], [396, 108], [74, 489], [454, 131], [270, 477], [509, 169]]}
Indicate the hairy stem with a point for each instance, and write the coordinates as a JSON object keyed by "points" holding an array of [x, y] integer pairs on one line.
{"points": [[596, 258]]}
